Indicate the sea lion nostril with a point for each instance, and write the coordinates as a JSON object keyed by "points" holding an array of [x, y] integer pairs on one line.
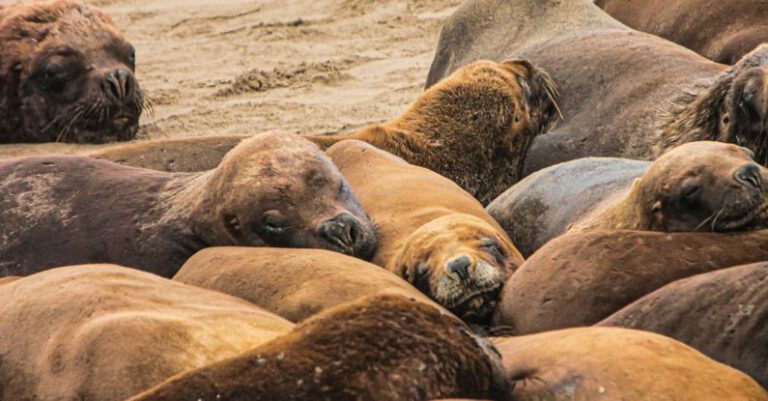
{"points": [[460, 266], [749, 174], [342, 231]]}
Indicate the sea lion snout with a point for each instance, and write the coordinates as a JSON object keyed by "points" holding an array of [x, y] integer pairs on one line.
{"points": [[118, 84], [347, 235], [749, 175]]}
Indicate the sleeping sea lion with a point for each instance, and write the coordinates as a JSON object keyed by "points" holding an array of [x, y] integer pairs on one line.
{"points": [[271, 190], [66, 74]]}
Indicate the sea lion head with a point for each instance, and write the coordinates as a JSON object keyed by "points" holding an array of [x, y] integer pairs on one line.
{"points": [[461, 262], [705, 186], [279, 189], [66, 74]]}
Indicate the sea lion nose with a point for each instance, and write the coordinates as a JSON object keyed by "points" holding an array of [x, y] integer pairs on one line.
{"points": [[749, 174], [460, 266], [118, 84], [343, 231]]}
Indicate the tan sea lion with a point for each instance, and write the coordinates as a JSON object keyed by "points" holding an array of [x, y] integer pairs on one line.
{"points": [[723, 314], [608, 364], [271, 190], [698, 186], [720, 30], [431, 232], [292, 283], [66, 74], [384, 348], [623, 93], [105, 332], [580, 279]]}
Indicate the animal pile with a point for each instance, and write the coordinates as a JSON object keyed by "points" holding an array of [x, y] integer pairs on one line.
{"points": [[572, 210]]}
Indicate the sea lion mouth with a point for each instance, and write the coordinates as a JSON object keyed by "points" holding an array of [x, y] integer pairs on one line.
{"points": [[755, 219], [477, 305]]}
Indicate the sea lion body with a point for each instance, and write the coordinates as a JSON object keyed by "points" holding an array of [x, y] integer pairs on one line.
{"points": [[720, 30], [66, 74], [292, 283], [425, 223], [387, 348], [596, 364], [624, 93], [723, 314], [105, 332], [544, 204], [61, 210], [582, 278]]}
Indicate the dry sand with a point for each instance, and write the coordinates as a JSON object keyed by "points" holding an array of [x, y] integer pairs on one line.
{"points": [[242, 67]]}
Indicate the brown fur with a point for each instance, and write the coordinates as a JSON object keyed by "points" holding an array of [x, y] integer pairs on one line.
{"points": [[384, 348], [695, 187], [618, 87], [607, 364], [474, 128], [104, 332], [580, 279], [424, 222], [66, 74], [271, 190], [721, 30], [292, 283], [723, 314]]}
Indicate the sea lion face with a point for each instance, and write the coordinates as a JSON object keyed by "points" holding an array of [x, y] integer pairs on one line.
{"points": [[459, 261], [745, 118], [69, 74], [281, 190], [708, 186]]}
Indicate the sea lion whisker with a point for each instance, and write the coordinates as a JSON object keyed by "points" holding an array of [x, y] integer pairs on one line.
{"points": [[714, 221], [704, 222], [65, 130]]}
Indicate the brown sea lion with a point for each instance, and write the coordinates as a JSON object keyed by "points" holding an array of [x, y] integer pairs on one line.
{"points": [[292, 283], [66, 74], [474, 128], [723, 314], [720, 30], [608, 364], [431, 232], [698, 186], [384, 348], [105, 332], [623, 93], [580, 279], [271, 190]]}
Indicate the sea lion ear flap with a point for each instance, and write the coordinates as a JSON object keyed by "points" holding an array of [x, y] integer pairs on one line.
{"points": [[539, 89]]}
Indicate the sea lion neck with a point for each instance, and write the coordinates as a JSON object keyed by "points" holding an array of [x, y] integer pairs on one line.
{"points": [[181, 212]]}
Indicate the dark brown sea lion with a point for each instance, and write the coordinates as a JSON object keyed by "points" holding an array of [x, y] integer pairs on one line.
{"points": [[66, 74], [698, 186], [580, 279], [609, 364], [271, 190], [723, 314], [720, 30], [623, 93], [384, 348], [292, 283], [474, 128], [431, 232], [105, 332]]}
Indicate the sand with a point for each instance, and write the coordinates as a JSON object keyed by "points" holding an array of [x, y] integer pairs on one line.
{"points": [[242, 67]]}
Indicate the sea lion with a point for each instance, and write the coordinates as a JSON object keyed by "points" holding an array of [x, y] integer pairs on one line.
{"points": [[602, 364], [431, 232], [723, 314], [66, 74], [698, 186], [292, 283], [543, 205], [105, 332], [474, 128], [720, 30], [623, 93], [384, 348], [271, 190], [580, 279]]}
